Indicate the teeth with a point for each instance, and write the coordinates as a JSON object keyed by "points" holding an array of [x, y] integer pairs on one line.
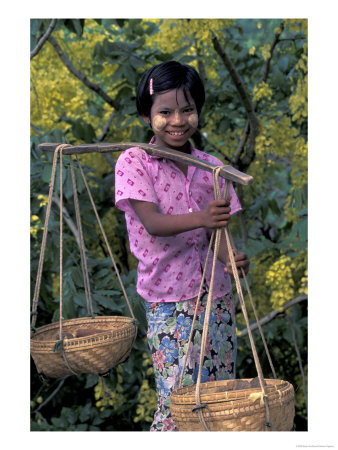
{"points": [[176, 134]]}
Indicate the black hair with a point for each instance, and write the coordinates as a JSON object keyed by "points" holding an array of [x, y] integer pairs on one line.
{"points": [[167, 76]]}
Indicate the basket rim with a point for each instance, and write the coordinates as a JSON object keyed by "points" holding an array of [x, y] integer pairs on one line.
{"points": [[79, 320], [186, 394], [104, 337]]}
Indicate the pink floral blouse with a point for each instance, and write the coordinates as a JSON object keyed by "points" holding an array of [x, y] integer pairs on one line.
{"points": [[169, 268]]}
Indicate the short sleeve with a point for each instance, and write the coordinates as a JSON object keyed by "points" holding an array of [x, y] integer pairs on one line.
{"points": [[133, 179], [234, 202]]}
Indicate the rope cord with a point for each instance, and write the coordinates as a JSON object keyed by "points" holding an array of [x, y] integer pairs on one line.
{"points": [[59, 345], [259, 325], [82, 245], [200, 292], [44, 236], [217, 191], [254, 310], [61, 241], [105, 237], [57, 152]]}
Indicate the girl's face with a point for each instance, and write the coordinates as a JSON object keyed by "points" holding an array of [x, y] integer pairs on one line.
{"points": [[174, 119]]}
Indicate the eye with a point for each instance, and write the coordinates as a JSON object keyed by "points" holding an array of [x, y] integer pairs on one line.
{"points": [[164, 113], [190, 109]]}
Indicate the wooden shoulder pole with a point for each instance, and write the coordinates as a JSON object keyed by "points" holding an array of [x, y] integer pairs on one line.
{"points": [[227, 172]]}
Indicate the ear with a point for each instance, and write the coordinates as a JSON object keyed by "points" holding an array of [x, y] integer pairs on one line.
{"points": [[146, 119]]}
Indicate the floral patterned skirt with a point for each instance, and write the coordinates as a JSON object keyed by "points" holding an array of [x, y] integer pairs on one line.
{"points": [[169, 326]]}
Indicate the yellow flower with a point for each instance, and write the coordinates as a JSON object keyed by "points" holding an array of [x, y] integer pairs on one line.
{"points": [[261, 91], [265, 50], [279, 279]]}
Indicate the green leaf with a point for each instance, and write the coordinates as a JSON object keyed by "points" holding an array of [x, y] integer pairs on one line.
{"points": [[85, 413], [102, 273], [82, 427], [46, 173], [75, 26], [91, 380], [97, 421], [106, 302], [68, 186], [72, 416]]}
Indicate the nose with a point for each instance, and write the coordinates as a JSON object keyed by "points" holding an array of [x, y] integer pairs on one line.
{"points": [[177, 118]]}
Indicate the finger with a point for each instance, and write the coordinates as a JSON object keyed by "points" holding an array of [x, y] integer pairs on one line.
{"points": [[241, 257], [243, 264], [221, 224], [220, 202], [221, 211], [221, 217]]}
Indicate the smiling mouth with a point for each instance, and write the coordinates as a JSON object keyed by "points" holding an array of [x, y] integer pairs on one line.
{"points": [[176, 133]]}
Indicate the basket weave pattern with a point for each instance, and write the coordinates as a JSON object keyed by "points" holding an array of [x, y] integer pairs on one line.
{"points": [[233, 406], [94, 354]]}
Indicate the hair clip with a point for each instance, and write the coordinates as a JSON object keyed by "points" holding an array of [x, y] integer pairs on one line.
{"points": [[151, 89]]}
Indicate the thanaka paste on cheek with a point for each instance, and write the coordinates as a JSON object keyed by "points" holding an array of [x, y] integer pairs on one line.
{"points": [[193, 120], [159, 123]]}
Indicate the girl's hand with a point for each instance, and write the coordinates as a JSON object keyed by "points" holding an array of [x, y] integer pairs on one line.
{"points": [[242, 262], [216, 214]]}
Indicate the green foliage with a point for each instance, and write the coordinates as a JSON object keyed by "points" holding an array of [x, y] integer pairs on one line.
{"points": [[112, 54]]}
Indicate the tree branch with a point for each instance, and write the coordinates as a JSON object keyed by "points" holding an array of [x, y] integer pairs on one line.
{"points": [[43, 39], [106, 127], [81, 76], [254, 123], [266, 68], [104, 133], [273, 314], [94, 87], [48, 399], [264, 77], [249, 155]]}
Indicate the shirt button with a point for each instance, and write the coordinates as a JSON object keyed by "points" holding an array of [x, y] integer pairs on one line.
{"points": [[190, 193], [190, 209]]}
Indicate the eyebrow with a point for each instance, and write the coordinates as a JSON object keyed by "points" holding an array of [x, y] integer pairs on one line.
{"points": [[167, 108]]}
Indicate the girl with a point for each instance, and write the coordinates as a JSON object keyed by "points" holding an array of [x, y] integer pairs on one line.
{"points": [[170, 209]]}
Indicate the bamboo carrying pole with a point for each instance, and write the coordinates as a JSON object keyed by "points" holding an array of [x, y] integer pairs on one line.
{"points": [[227, 172]]}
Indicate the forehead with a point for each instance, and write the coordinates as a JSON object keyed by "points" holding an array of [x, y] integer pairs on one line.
{"points": [[173, 99]]}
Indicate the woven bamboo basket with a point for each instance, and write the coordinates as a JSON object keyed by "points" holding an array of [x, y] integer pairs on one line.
{"points": [[95, 354], [87, 345], [232, 405], [256, 404]]}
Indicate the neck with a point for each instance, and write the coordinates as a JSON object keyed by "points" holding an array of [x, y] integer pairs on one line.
{"points": [[185, 149]]}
